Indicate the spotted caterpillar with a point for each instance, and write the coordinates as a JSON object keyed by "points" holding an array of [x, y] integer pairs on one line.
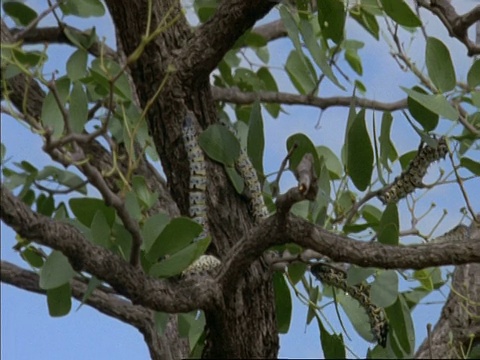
{"points": [[338, 278], [412, 177], [254, 190], [198, 176], [196, 196]]}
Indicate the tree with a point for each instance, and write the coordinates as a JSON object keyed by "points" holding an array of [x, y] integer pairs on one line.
{"points": [[115, 114]]}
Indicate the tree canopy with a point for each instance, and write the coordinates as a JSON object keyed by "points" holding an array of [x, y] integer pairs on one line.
{"points": [[213, 165]]}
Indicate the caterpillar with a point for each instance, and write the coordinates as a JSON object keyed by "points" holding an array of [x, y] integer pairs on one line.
{"points": [[196, 196], [335, 277], [198, 176], [249, 175], [411, 178], [253, 188]]}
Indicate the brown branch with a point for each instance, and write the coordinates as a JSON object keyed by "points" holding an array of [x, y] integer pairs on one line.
{"points": [[278, 230], [204, 50], [107, 304], [56, 35], [271, 31], [236, 96], [127, 280], [457, 25]]}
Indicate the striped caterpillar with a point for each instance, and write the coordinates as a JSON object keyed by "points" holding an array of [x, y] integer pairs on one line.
{"points": [[338, 278], [411, 178], [196, 196]]}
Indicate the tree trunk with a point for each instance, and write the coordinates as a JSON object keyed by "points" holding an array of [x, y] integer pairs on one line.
{"points": [[244, 326]]}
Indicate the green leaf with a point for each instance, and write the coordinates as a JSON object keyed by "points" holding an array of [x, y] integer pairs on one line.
{"points": [[56, 271], [331, 18], [85, 208], [175, 236], [401, 325], [366, 20], [356, 314], [319, 53], [191, 326], [256, 138], [77, 65], [473, 76], [84, 8], [59, 300], [388, 231], [357, 275], [304, 145], [152, 228], [32, 256], [296, 271], [220, 144], [354, 61], [283, 303], [19, 12], [63, 177], [332, 344], [387, 148], [472, 165], [133, 208], [78, 108], [101, 230], [299, 73], [425, 117], [435, 103], [425, 278], [439, 65], [314, 296], [360, 153], [401, 13], [236, 179], [179, 261], [51, 115], [45, 205], [105, 71], [384, 290]]}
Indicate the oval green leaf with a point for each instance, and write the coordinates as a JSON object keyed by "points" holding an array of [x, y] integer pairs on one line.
{"points": [[59, 300], [439, 65], [400, 12], [220, 144], [56, 271], [384, 290], [388, 230], [435, 103], [283, 303], [425, 117], [359, 153]]}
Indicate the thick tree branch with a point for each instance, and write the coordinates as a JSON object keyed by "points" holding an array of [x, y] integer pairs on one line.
{"points": [[271, 31], [340, 248], [208, 45], [457, 25], [107, 304], [127, 280], [234, 95]]}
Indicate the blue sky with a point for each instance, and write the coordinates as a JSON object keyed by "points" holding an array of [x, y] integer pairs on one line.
{"points": [[27, 331]]}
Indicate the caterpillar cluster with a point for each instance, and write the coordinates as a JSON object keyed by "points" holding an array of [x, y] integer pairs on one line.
{"points": [[411, 178], [338, 278], [196, 195]]}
